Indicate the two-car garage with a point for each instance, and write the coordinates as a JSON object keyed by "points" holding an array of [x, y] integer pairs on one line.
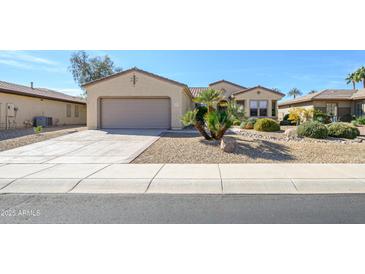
{"points": [[136, 99], [135, 113]]}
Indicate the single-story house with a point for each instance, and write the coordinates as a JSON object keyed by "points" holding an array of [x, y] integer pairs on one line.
{"points": [[340, 104], [19, 105], [135, 98]]}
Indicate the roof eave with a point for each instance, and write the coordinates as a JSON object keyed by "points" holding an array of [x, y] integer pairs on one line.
{"points": [[137, 70], [41, 96]]}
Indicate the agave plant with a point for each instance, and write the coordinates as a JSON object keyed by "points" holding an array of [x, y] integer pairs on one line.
{"points": [[215, 122]]}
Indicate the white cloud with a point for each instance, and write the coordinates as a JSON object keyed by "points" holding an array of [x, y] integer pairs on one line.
{"points": [[24, 60], [15, 63]]}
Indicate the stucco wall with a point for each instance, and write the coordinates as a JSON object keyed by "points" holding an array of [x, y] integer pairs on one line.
{"points": [[145, 86], [258, 94], [229, 89], [341, 104], [29, 107], [285, 109], [343, 107]]}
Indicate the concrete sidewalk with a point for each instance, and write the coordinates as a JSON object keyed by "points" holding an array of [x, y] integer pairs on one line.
{"points": [[183, 178]]}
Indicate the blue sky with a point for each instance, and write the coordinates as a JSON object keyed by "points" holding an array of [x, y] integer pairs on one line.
{"points": [[284, 70]]}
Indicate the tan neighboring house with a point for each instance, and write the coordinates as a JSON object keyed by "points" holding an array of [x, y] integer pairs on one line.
{"points": [[135, 98], [19, 105], [340, 104]]}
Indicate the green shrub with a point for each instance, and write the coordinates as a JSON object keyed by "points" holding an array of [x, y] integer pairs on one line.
{"points": [[359, 121], [38, 129], [343, 130], [249, 123], [314, 129], [266, 124], [321, 117]]}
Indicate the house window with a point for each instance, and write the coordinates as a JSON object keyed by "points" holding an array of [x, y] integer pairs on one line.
{"points": [[68, 110], [273, 108], [331, 110], [360, 109], [254, 108], [77, 113], [258, 108], [262, 108]]}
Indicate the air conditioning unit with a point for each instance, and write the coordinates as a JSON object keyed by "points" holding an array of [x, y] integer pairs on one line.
{"points": [[42, 121]]}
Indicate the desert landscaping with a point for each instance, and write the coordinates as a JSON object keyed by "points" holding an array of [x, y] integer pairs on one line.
{"points": [[252, 147]]}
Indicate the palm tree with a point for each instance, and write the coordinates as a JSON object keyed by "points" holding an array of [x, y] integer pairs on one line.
{"points": [[360, 75], [210, 98], [352, 78], [312, 91], [294, 92]]}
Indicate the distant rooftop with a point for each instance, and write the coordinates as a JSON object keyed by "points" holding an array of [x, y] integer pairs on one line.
{"points": [[39, 93], [329, 94]]}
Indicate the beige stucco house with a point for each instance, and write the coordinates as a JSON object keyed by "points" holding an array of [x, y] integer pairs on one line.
{"points": [[19, 105], [340, 104], [135, 98]]}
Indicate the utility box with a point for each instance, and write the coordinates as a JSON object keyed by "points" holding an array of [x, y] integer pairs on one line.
{"points": [[10, 110], [43, 121]]}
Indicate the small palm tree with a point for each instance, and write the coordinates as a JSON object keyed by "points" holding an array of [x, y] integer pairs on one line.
{"points": [[351, 79], [215, 122], [294, 92], [360, 75], [209, 98], [312, 91]]}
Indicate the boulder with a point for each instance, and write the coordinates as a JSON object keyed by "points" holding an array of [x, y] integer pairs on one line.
{"points": [[228, 145], [291, 133], [361, 130]]}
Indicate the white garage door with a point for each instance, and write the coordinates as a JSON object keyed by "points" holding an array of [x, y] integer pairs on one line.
{"points": [[135, 113]]}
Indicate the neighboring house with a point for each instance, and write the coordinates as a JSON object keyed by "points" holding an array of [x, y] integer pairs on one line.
{"points": [[340, 104], [135, 98], [257, 101], [20, 104]]}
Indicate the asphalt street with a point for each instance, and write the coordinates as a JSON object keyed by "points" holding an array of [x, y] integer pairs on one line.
{"points": [[157, 208]]}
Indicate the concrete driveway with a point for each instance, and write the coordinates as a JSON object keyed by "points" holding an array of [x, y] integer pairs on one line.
{"points": [[90, 146]]}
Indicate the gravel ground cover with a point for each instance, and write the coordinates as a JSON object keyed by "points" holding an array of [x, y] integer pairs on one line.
{"points": [[9, 139], [174, 147]]}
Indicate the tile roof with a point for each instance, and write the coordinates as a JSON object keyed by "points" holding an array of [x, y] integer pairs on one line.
{"points": [[228, 82], [39, 93], [327, 94], [195, 91], [335, 94], [360, 94]]}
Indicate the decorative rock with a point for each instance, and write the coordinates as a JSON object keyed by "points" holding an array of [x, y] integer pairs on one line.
{"points": [[228, 145], [291, 133]]}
